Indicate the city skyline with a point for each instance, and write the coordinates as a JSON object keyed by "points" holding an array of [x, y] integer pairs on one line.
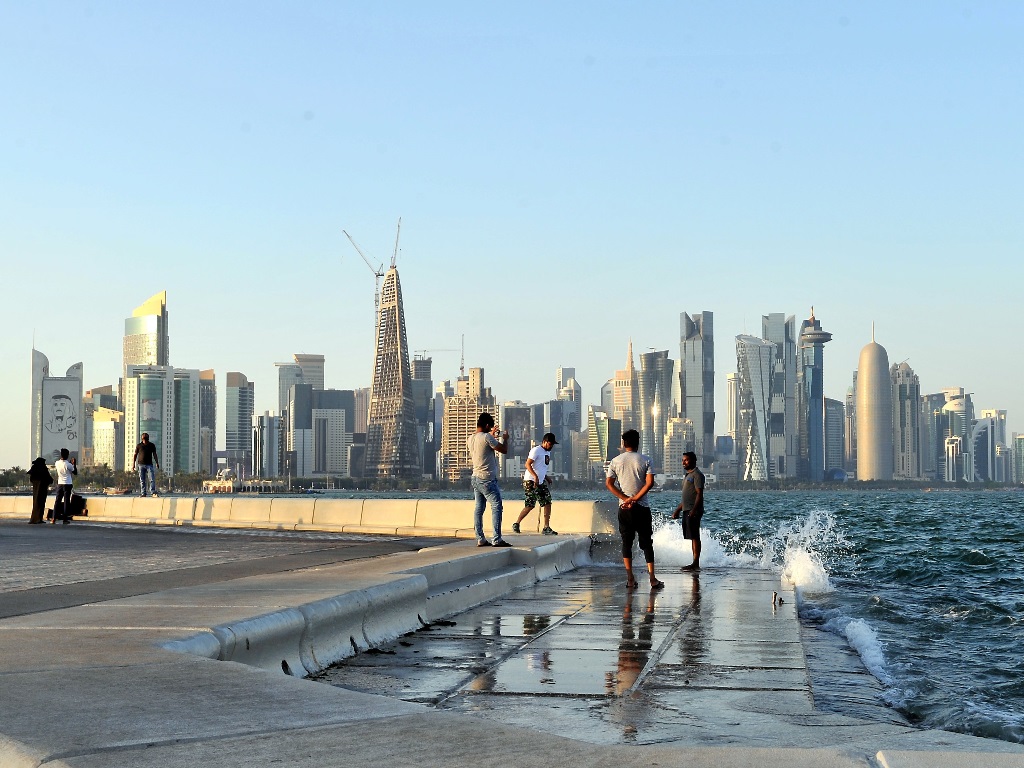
{"points": [[580, 179]]}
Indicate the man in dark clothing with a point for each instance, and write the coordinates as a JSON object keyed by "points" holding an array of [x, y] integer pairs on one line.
{"points": [[144, 458], [41, 480], [691, 507]]}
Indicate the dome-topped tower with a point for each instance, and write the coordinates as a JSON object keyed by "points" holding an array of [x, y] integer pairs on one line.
{"points": [[874, 413]]}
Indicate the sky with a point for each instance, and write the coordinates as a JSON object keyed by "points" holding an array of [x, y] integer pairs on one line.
{"points": [[569, 176]]}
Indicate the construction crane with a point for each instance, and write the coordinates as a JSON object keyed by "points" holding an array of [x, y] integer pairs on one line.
{"points": [[378, 273]]}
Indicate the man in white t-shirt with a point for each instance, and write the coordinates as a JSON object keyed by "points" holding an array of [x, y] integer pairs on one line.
{"points": [[536, 482], [66, 470]]}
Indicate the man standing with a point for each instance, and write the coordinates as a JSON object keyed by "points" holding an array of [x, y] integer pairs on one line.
{"points": [[691, 507], [482, 446], [66, 470], [630, 477], [536, 481], [144, 458]]}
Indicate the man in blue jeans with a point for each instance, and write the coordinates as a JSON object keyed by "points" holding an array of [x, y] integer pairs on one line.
{"points": [[144, 458], [482, 446]]}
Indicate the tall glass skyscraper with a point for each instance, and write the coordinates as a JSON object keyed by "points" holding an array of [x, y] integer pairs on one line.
{"points": [[811, 399], [655, 390], [906, 431], [697, 381], [755, 362], [146, 341], [783, 424], [240, 405], [392, 440]]}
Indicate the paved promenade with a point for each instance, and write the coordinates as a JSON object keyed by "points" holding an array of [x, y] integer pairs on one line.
{"points": [[554, 666]]}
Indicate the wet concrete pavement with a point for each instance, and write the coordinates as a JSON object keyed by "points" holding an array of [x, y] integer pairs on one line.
{"points": [[709, 659]]}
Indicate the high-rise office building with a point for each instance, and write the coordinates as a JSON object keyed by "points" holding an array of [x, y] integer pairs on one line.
{"points": [[423, 400], [627, 397], [288, 375], [267, 448], [187, 420], [331, 416], [697, 381], [851, 427], [732, 404], [906, 429], [655, 404], [984, 450], [149, 407], [1000, 422], [514, 417], [680, 437], [835, 439], [783, 422], [207, 420], [604, 436], [240, 405], [312, 367], [93, 399], [608, 397], [811, 399], [932, 428], [461, 411], [146, 340], [956, 422], [56, 409], [299, 437], [392, 445], [874, 414], [108, 438], [1017, 447], [568, 390], [755, 363]]}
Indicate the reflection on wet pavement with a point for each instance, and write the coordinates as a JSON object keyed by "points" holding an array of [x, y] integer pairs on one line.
{"points": [[707, 659]]}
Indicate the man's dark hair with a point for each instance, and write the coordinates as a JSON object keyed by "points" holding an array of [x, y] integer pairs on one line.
{"points": [[64, 453], [631, 439], [485, 421], [692, 455], [146, 435]]}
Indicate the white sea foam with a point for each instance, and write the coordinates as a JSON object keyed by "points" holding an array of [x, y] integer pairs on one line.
{"points": [[672, 549], [863, 639]]}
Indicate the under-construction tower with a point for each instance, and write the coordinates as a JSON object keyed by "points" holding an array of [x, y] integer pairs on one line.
{"points": [[392, 445]]}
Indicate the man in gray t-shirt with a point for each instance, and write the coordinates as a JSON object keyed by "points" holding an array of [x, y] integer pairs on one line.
{"points": [[482, 445], [691, 507], [630, 477]]}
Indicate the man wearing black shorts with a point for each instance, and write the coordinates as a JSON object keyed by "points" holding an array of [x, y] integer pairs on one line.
{"points": [[630, 477], [691, 507]]}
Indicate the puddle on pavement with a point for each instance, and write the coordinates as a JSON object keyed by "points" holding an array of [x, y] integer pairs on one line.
{"points": [[580, 656]]}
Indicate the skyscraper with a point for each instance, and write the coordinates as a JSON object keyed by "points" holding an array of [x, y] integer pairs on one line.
{"points": [[392, 446], [811, 399], [835, 428], [697, 381], [146, 341], [604, 435], [906, 432], [783, 422], [571, 394], [655, 401], [626, 396], [755, 362], [149, 407], [240, 405], [187, 420], [874, 414], [850, 446], [312, 367], [207, 420], [56, 409], [461, 411]]}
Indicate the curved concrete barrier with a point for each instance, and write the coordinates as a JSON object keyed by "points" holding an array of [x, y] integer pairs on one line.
{"points": [[270, 642], [557, 557]]}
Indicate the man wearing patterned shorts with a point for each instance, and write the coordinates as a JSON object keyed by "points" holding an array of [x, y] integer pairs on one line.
{"points": [[536, 483]]}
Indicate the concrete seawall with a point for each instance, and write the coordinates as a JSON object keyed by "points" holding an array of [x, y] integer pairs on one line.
{"points": [[394, 517]]}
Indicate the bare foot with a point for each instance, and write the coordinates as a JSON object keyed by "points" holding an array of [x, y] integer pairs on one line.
{"points": [[631, 583], [655, 584]]}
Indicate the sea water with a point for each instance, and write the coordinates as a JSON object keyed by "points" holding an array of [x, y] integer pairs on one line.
{"points": [[928, 587]]}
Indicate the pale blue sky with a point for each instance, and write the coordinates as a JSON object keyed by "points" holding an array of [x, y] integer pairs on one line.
{"points": [[569, 175]]}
